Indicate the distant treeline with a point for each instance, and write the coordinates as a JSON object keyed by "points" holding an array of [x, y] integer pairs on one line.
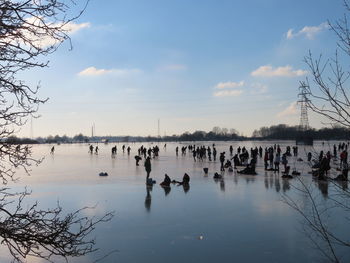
{"points": [[285, 132], [276, 132]]}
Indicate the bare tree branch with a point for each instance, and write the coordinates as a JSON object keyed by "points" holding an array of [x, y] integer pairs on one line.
{"points": [[29, 31]]}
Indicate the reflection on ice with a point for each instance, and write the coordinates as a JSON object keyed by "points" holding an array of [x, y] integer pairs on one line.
{"points": [[148, 199], [240, 212]]}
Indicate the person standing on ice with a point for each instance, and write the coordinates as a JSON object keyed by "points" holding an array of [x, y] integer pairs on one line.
{"points": [[148, 167], [222, 160]]}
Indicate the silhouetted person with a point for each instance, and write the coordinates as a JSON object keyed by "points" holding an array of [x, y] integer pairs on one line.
{"points": [[309, 156], [320, 157], [214, 153], [91, 149], [166, 182], [228, 164], [148, 167], [222, 160], [52, 149], [137, 158], [344, 173], [217, 176], [114, 150], [250, 168], [324, 168], [236, 161], [266, 159], [284, 162], [185, 180]]}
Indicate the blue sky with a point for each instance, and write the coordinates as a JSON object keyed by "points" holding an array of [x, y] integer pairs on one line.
{"points": [[192, 64]]}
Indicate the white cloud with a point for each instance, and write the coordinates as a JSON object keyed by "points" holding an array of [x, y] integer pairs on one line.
{"points": [[229, 85], [46, 41], [290, 34], [269, 71], [72, 27], [92, 71], [291, 110], [308, 31], [228, 93]]}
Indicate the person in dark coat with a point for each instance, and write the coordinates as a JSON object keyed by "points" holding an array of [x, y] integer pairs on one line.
{"points": [[148, 166], [166, 182]]}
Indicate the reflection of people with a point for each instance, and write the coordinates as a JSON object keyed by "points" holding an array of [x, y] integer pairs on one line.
{"points": [[323, 186], [285, 185], [277, 162], [277, 184], [166, 189], [148, 199], [222, 185], [186, 187]]}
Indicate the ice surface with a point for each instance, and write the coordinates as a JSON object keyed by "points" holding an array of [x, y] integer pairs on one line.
{"points": [[238, 219]]}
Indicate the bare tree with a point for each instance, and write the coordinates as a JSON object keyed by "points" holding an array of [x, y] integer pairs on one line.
{"points": [[317, 213], [29, 31], [329, 90], [329, 97], [47, 233]]}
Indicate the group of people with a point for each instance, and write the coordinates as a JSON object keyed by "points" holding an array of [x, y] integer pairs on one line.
{"points": [[322, 166], [91, 149], [272, 158], [166, 182], [241, 158]]}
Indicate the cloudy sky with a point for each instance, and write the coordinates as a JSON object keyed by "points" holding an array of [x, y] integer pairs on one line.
{"points": [[192, 64]]}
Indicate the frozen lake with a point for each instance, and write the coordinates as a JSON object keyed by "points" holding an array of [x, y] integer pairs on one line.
{"points": [[238, 219]]}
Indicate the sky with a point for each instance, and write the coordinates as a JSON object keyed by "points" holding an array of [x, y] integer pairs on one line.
{"points": [[192, 65]]}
